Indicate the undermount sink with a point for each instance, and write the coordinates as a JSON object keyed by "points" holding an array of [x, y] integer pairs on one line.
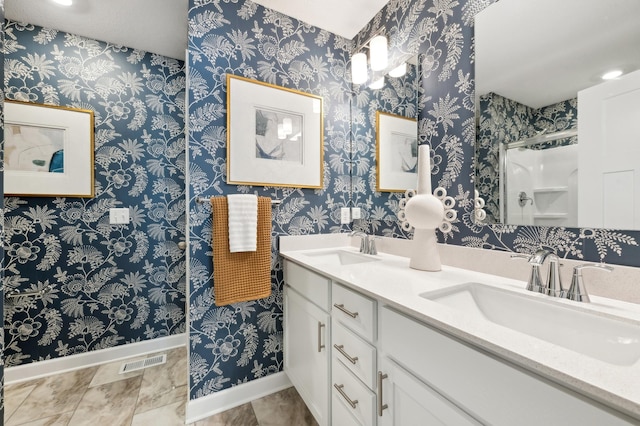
{"points": [[340, 257], [607, 338]]}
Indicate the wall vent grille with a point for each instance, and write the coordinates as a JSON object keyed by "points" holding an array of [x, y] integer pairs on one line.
{"points": [[128, 367]]}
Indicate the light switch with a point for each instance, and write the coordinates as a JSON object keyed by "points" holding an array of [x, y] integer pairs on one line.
{"points": [[345, 215], [119, 216], [355, 213]]}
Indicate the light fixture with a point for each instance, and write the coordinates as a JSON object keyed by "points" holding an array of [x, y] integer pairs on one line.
{"points": [[359, 68], [378, 84], [378, 51], [281, 132], [64, 2], [399, 71], [610, 75]]}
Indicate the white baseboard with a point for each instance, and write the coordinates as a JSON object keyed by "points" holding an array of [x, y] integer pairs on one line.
{"points": [[35, 370], [218, 402]]}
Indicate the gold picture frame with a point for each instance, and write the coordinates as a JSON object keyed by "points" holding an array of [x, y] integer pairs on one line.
{"points": [[48, 151], [396, 152], [275, 135]]}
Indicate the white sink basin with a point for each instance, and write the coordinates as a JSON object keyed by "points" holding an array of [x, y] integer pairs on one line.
{"points": [[604, 337], [340, 257]]}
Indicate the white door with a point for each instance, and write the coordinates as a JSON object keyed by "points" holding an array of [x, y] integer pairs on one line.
{"points": [[609, 154], [306, 356], [410, 402]]}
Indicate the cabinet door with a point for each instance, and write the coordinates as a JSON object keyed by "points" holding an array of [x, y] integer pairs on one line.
{"points": [[411, 402], [306, 353]]}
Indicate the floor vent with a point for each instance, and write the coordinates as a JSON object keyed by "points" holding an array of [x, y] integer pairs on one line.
{"points": [[128, 367]]}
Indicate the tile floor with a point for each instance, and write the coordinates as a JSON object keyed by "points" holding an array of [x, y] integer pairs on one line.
{"points": [[155, 396]]}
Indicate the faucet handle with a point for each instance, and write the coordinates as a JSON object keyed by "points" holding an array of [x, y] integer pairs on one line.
{"points": [[535, 282], [578, 291]]}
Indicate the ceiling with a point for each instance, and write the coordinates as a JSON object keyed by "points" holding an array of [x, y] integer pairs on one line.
{"points": [[542, 52], [160, 26]]}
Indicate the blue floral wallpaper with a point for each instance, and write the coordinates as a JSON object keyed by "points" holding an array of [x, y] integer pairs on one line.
{"points": [[241, 342], [2, 227], [502, 120], [111, 284]]}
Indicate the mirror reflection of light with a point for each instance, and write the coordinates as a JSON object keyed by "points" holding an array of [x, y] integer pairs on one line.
{"points": [[378, 84], [611, 75], [398, 71], [64, 2]]}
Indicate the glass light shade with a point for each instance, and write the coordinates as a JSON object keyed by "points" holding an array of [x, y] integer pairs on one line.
{"points": [[378, 51], [64, 2], [399, 71], [287, 126], [359, 68], [378, 84]]}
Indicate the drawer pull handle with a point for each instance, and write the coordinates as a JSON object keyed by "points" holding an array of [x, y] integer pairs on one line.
{"points": [[320, 345], [345, 310], [351, 402], [381, 407], [340, 348]]}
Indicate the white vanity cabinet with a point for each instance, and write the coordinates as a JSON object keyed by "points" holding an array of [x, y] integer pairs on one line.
{"points": [[471, 381], [307, 336], [404, 400]]}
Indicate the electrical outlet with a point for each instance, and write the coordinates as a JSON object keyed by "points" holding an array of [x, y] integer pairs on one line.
{"points": [[355, 213], [345, 215]]}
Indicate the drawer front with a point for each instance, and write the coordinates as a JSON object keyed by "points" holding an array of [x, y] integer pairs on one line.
{"points": [[341, 414], [355, 396], [356, 354], [354, 310], [313, 286]]}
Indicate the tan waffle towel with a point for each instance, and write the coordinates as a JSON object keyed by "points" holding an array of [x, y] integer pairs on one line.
{"points": [[242, 276]]}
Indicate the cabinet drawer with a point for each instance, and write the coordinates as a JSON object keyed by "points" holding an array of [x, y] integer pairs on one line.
{"points": [[340, 413], [313, 286], [356, 354], [354, 310], [349, 390]]}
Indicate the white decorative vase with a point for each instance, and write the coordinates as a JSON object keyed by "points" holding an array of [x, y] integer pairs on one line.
{"points": [[425, 213]]}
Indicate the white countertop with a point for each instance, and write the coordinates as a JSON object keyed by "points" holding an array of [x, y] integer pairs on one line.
{"points": [[390, 281]]}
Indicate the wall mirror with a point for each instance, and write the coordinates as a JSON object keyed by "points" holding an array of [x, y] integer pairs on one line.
{"points": [[545, 118], [397, 98]]}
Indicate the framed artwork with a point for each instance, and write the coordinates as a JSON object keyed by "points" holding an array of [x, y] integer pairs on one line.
{"points": [[48, 150], [396, 152], [274, 135]]}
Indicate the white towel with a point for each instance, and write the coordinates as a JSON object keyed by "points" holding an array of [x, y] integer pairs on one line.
{"points": [[243, 222]]}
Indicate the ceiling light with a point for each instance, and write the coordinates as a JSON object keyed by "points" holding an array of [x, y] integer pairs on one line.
{"points": [[359, 68], [378, 50], [611, 75], [64, 2], [378, 84], [399, 71]]}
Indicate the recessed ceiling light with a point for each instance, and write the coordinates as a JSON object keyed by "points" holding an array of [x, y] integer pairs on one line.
{"points": [[611, 75], [64, 2]]}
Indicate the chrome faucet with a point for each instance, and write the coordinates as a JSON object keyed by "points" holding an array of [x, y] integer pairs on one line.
{"points": [[367, 242], [553, 287]]}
